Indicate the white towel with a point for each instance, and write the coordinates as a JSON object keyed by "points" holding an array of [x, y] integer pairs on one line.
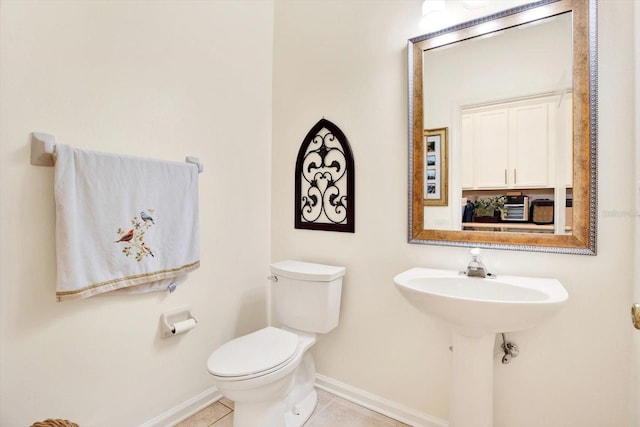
{"points": [[123, 224]]}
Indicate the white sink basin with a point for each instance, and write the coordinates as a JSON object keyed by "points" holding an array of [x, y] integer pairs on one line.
{"points": [[477, 309], [476, 306]]}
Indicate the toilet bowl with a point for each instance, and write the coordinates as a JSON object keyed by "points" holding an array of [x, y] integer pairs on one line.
{"points": [[268, 373], [258, 371]]}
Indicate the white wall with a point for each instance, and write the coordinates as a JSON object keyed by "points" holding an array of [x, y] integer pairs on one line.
{"points": [[162, 79], [167, 79], [346, 61]]}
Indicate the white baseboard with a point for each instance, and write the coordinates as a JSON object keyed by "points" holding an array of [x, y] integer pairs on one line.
{"points": [[360, 397], [378, 404], [185, 409]]}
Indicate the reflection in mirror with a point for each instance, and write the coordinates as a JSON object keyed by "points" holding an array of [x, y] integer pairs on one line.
{"points": [[510, 106], [516, 104]]}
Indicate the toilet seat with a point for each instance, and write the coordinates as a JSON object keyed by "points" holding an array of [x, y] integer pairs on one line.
{"points": [[256, 354]]}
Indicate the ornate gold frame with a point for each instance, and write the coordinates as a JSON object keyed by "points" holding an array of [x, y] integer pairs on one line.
{"points": [[583, 237]]}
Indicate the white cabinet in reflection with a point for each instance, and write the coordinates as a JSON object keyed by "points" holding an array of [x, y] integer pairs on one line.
{"points": [[487, 140], [513, 145]]}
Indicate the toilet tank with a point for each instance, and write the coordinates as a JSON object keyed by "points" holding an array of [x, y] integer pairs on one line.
{"points": [[306, 296]]}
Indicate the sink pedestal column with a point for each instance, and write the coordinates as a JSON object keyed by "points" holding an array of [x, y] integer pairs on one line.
{"points": [[472, 381]]}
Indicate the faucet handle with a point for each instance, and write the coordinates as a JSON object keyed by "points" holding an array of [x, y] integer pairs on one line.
{"points": [[475, 252]]}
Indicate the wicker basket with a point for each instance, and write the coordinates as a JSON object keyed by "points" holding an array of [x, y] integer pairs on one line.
{"points": [[54, 423]]}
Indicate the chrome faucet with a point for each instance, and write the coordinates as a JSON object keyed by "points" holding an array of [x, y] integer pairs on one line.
{"points": [[476, 268]]}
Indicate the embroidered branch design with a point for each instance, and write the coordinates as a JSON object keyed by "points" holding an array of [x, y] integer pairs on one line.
{"points": [[134, 238]]}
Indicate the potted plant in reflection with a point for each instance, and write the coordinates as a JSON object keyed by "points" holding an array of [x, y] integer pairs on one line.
{"points": [[488, 209]]}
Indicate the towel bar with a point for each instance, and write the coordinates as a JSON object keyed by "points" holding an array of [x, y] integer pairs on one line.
{"points": [[43, 147]]}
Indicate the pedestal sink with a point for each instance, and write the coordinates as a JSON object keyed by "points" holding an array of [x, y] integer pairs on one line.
{"points": [[477, 309]]}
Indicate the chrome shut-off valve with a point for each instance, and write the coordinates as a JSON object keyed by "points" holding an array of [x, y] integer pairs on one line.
{"points": [[510, 349]]}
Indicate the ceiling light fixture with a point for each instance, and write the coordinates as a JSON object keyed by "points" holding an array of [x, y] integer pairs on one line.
{"points": [[434, 15]]}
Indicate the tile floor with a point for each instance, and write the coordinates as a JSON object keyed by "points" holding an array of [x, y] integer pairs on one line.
{"points": [[331, 411]]}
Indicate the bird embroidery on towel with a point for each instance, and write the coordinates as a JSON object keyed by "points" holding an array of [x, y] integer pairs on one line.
{"points": [[146, 250], [146, 217], [134, 238], [127, 237]]}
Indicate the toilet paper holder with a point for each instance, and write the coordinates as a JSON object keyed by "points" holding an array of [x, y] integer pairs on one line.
{"points": [[177, 321]]}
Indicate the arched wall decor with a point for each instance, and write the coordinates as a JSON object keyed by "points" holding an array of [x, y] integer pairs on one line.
{"points": [[325, 184]]}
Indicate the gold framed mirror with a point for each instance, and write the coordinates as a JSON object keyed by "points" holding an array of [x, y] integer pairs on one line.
{"points": [[517, 92]]}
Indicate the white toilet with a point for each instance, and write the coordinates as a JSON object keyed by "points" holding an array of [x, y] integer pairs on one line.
{"points": [[268, 373]]}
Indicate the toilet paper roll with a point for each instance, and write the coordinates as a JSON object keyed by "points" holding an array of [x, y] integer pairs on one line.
{"points": [[183, 326]]}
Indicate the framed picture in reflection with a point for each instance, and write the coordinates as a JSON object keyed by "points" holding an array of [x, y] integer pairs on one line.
{"points": [[435, 167]]}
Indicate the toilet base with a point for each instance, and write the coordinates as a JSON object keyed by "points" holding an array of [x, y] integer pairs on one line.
{"points": [[302, 398], [302, 411], [260, 414]]}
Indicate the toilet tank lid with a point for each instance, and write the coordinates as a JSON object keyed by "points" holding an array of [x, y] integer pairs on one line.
{"points": [[301, 270]]}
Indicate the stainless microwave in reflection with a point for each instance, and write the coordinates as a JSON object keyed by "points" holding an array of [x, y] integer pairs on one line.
{"points": [[516, 208]]}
